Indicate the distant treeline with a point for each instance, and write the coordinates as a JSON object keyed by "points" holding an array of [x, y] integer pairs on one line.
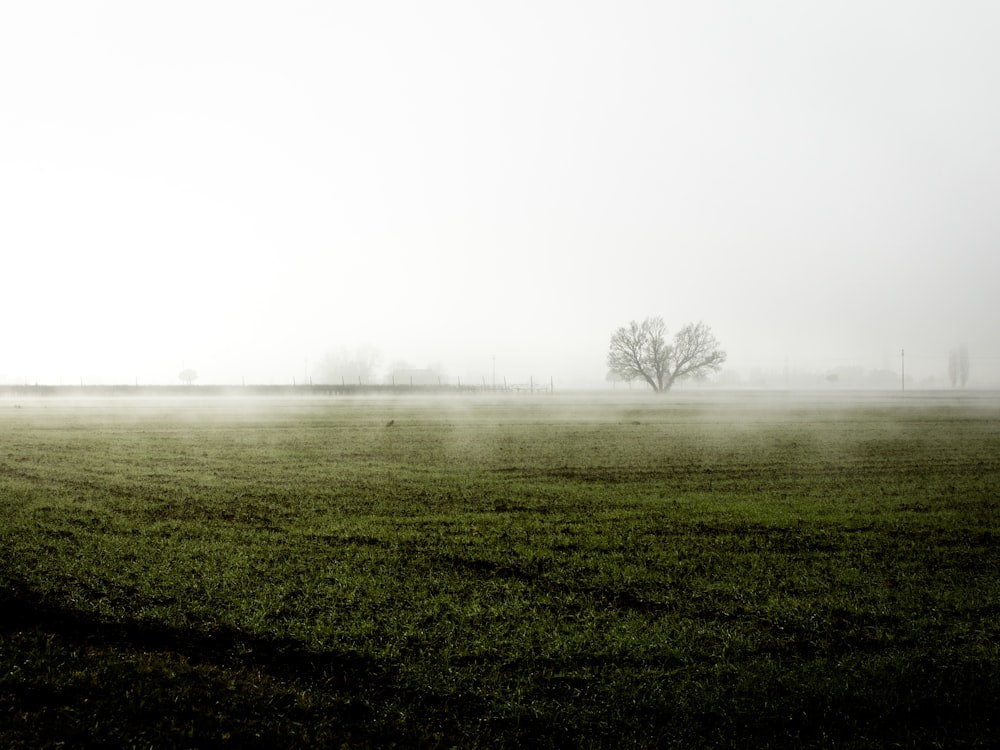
{"points": [[150, 391]]}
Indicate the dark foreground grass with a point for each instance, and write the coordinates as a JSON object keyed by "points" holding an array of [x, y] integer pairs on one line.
{"points": [[685, 572]]}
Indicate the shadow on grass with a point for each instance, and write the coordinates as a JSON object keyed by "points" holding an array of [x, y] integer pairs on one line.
{"points": [[68, 679], [23, 610], [71, 680]]}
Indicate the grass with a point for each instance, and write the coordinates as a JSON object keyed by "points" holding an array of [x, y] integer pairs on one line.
{"points": [[546, 572]]}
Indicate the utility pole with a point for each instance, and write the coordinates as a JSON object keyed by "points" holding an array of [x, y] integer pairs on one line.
{"points": [[902, 368]]}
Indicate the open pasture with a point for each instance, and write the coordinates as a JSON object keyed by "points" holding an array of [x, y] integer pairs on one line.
{"points": [[693, 570]]}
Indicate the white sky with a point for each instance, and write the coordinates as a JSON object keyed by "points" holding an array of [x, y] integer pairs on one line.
{"points": [[240, 187]]}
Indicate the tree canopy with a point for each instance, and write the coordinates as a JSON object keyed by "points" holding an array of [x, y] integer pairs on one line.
{"points": [[639, 351], [958, 366]]}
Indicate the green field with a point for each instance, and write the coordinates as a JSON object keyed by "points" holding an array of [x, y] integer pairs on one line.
{"points": [[695, 570]]}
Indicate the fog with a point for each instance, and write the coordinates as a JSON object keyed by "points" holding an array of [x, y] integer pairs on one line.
{"points": [[486, 191]]}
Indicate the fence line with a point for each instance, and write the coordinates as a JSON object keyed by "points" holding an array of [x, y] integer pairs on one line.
{"points": [[311, 389]]}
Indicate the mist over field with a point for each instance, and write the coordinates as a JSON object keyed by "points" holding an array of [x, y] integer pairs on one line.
{"points": [[263, 193]]}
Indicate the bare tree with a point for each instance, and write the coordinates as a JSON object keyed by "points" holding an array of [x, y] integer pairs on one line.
{"points": [[188, 376], [349, 367], [958, 366], [639, 351]]}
